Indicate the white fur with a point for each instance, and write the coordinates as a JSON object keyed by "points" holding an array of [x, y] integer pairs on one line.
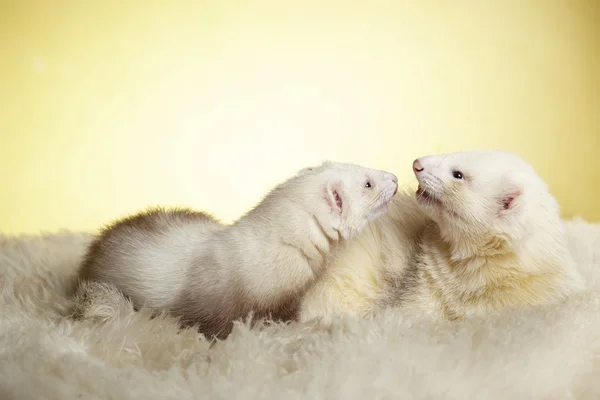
{"points": [[204, 271], [551, 353], [531, 224], [262, 247], [353, 284], [153, 270], [471, 214]]}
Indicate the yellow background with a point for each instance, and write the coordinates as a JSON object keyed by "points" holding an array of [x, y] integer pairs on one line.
{"points": [[108, 107]]}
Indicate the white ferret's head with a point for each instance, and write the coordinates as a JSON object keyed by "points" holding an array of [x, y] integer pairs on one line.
{"points": [[484, 193], [347, 196]]}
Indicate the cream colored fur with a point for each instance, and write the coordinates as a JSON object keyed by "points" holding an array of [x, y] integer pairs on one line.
{"points": [[209, 274], [354, 283], [488, 238], [115, 353]]}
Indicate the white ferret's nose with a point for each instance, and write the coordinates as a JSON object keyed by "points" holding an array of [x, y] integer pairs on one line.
{"points": [[417, 166]]}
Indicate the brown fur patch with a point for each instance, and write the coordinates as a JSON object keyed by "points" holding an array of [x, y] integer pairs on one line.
{"points": [[154, 218], [151, 220]]}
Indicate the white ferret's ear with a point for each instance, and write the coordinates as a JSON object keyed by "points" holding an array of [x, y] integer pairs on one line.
{"points": [[335, 196], [509, 200]]}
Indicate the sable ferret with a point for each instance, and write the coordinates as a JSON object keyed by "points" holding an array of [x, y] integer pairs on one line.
{"points": [[482, 233], [210, 274]]}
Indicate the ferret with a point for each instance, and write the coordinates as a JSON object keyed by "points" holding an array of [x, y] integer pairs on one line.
{"points": [[210, 274], [482, 232]]}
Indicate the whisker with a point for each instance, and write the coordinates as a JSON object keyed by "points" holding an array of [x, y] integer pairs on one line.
{"points": [[442, 160]]}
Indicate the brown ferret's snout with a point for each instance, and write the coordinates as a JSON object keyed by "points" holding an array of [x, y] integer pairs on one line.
{"points": [[394, 180], [417, 166]]}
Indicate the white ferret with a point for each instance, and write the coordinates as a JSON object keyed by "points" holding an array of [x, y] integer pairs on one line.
{"points": [[210, 274], [482, 233]]}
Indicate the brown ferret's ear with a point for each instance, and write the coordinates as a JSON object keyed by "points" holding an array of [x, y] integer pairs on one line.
{"points": [[334, 196], [304, 171]]}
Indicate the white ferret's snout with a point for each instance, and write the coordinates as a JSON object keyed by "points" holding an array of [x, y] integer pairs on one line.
{"points": [[431, 183], [418, 167], [426, 177]]}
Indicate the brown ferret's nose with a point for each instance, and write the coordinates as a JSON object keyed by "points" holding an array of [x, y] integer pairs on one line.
{"points": [[394, 179], [417, 167]]}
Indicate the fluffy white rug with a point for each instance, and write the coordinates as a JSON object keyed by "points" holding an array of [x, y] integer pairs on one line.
{"points": [[540, 354]]}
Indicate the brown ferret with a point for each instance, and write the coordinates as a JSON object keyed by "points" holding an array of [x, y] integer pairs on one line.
{"points": [[210, 274]]}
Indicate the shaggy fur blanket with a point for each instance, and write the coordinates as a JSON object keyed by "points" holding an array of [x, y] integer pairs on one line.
{"points": [[115, 353]]}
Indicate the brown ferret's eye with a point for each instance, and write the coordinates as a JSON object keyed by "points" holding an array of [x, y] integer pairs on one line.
{"points": [[457, 174]]}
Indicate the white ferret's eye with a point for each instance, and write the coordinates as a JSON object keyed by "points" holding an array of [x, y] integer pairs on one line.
{"points": [[368, 185], [457, 174]]}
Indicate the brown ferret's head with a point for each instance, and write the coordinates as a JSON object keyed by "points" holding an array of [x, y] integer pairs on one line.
{"points": [[344, 196]]}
